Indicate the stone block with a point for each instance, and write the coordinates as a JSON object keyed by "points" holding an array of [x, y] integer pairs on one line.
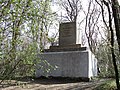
{"points": [[67, 33], [74, 64]]}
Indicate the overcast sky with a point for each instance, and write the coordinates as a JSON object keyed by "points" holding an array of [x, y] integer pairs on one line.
{"points": [[119, 1]]}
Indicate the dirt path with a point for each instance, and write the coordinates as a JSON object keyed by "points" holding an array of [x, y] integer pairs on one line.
{"points": [[53, 84]]}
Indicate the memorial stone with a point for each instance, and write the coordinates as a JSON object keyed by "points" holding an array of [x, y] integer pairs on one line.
{"points": [[67, 34], [67, 39], [71, 59]]}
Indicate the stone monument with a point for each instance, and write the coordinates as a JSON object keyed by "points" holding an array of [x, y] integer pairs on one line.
{"points": [[67, 38], [71, 59], [67, 34]]}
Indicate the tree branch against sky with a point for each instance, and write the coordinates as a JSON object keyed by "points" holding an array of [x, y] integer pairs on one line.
{"points": [[112, 12]]}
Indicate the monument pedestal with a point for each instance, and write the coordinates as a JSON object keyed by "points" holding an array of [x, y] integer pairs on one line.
{"points": [[68, 59], [75, 47], [73, 64]]}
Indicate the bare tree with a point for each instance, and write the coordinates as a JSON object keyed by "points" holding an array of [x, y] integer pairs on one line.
{"points": [[116, 15], [112, 10], [72, 8], [91, 25]]}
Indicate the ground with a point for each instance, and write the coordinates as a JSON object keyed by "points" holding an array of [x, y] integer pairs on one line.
{"points": [[51, 84]]}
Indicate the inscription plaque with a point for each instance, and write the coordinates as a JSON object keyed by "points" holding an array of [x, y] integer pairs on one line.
{"points": [[67, 33]]}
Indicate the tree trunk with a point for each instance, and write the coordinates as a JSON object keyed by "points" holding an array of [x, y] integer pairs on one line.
{"points": [[116, 15], [115, 9], [116, 21], [112, 42]]}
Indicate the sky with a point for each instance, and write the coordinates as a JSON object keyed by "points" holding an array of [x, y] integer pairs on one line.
{"points": [[119, 1], [56, 8], [61, 12]]}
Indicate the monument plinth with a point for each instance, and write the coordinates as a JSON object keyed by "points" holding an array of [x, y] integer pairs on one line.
{"points": [[67, 39], [71, 59], [76, 47]]}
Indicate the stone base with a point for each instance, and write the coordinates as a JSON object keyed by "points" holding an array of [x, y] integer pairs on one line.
{"points": [[76, 47], [73, 64], [65, 78]]}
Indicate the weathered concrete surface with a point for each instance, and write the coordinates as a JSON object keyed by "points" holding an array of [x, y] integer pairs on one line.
{"points": [[69, 64]]}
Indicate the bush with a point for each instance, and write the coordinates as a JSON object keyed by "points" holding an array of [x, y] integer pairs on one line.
{"points": [[109, 85]]}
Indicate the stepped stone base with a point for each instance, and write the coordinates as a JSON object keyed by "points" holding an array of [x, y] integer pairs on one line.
{"points": [[76, 47], [65, 78]]}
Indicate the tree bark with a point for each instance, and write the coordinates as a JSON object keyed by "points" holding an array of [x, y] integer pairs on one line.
{"points": [[116, 15], [115, 10], [112, 45]]}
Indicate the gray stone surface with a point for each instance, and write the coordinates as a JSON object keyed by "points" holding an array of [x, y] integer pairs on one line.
{"points": [[69, 64], [67, 33], [65, 48]]}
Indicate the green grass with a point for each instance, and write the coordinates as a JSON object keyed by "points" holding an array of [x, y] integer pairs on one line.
{"points": [[108, 85]]}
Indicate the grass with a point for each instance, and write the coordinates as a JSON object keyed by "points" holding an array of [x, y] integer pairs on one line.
{"points": [[108, 85]]}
